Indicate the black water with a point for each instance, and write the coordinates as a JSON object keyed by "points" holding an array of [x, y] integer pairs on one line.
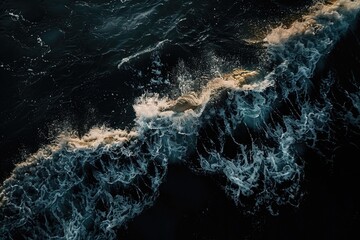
{"points": [[61, 68], [72, 75]]}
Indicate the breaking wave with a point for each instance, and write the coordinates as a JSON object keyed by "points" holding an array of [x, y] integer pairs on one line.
{"points": [[246, 127]]}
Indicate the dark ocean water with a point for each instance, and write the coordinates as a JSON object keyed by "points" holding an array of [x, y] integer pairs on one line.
{"points": [[87, 151]]}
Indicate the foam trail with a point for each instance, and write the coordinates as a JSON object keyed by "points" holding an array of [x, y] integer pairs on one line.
{"points": [[296, 50], [90, 187], [253, 142], [147, 50], [80, 188]]}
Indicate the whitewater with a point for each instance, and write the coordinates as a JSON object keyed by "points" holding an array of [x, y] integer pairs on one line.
{"points": [[246, 126]]}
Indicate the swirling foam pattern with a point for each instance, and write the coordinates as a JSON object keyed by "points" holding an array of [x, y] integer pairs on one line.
{"points": [[250, 135]]}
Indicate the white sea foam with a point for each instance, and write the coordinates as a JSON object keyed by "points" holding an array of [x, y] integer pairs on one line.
{"points": [[265, 165], [87, 188], [137, 54]]}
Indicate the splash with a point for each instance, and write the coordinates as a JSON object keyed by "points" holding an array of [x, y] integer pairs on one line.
{"points": [[80, 187], [259, 134], [244, 127], [235, 80]]}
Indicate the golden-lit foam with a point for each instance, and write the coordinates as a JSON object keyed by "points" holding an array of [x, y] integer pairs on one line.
{"points": [[233, 80]]}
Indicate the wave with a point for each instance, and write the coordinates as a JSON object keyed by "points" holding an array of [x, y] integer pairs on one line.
{"points": [[246, 127]]}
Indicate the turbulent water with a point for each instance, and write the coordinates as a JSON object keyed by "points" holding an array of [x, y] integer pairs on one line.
{"points": [[234, 92]]}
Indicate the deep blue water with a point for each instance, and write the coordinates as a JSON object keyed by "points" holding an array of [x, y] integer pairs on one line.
{"points": [[83, 83]]}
